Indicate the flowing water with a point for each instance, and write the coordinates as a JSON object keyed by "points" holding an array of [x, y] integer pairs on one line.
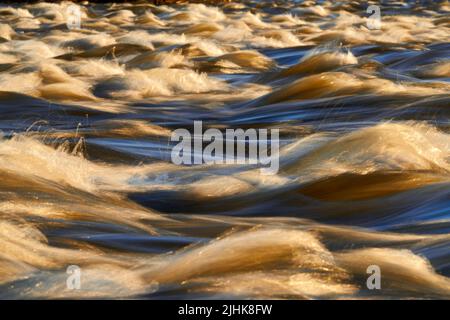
{"points": [[86, 178]]}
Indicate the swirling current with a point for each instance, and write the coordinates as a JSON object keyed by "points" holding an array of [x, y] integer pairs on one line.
{"points": [[86, 177]]}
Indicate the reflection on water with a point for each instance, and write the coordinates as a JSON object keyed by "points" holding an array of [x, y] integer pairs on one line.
{"points": [[86, 177]]}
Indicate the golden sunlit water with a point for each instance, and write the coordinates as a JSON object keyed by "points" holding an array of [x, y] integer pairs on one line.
{"points": [[86, 177]]}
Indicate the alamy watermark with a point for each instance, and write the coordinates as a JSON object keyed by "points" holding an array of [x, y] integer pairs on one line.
{"points": [[374, 20], [73, 17], [374, 280], [73, 281], [234, 146]]}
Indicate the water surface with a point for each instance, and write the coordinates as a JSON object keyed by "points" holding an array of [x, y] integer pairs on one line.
{"points": [[86, 178]]}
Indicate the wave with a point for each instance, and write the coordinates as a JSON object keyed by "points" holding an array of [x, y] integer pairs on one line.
{"points": [[85, 176]]}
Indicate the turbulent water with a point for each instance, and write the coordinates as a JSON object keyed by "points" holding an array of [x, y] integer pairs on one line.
{"points": [[86, 178]]}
